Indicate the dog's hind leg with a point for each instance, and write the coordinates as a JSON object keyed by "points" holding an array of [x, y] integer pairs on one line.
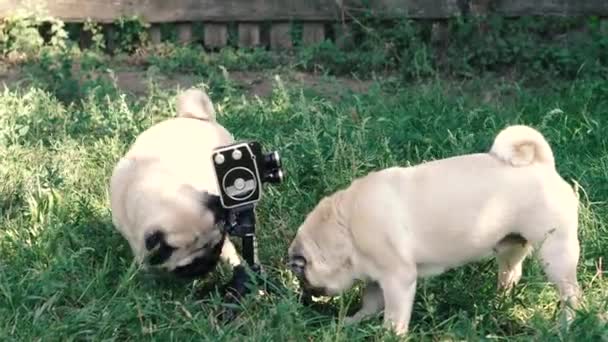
{"points": [[510, 255], [559, 254]]}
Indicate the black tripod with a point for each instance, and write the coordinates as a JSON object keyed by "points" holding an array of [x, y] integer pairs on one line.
{"points": [[241, 223]]}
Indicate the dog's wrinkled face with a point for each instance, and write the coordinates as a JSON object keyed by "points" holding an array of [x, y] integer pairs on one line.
{"points": [[185, 238], [321, 253]]}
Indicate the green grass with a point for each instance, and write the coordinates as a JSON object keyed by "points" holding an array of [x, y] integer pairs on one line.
{"points": [[65, 273]]}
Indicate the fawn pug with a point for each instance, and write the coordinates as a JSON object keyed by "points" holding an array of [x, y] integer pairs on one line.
{"points": [[393, 226], [164, 196]]}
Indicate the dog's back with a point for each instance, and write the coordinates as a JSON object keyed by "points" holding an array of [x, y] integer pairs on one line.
{"points": [[478, 197], [184, 149]]}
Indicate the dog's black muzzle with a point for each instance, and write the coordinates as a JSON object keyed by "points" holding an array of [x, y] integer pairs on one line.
{"points": [[202, 265]]}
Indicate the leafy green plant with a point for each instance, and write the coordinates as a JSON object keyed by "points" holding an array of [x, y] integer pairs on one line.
{"points": [[561, 47], [96, 32], [555, 47], [131, 32], [194, 59], [20, 36]]}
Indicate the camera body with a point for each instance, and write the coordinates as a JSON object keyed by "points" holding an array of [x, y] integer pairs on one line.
{"points": [[241, 169]]}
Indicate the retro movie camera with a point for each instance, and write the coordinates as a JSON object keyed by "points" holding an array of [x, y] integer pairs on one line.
{"points": [[241, 169]]}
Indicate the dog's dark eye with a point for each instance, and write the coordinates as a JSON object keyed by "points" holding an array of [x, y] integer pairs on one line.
{"points": [[299, 260], [297, 264]]}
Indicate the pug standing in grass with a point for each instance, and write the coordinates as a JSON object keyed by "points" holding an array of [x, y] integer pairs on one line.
{"points": [[164, 199], [399, 224]]}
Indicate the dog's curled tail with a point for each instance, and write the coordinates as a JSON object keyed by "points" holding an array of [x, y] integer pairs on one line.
{"points": [[521, 145], [196, 104]]}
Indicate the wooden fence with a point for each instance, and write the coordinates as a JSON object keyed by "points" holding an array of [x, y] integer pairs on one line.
{"points": [[315, 16]]}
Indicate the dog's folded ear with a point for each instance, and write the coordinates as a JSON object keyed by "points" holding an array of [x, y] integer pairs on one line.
{"points": [[156, 244], [154, 239], [214, 204]]}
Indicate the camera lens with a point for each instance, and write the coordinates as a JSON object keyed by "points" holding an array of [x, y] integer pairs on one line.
{"points": [[272, 160], [274, 177]]}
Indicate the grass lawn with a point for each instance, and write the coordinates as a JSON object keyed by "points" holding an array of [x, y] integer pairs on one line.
{"points": [[66, 274]]}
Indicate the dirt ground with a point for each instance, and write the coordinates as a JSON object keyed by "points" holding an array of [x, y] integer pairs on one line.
{"points": [[254, 83]]}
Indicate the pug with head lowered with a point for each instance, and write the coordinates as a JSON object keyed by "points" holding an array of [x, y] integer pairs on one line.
{"points": [[163, 194], [393, 226]]}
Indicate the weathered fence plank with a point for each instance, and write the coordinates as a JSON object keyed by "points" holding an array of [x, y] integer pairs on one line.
{"points": [[439, 33], [518, 8], [313, 14], [162, 11], [480, 7], [155, 34], [216, 35], [184, 33], [424, 9], [249, 35], [280, 36], [85, 38], [443, 9], [313, 33], [344, 36], [110, 35]]}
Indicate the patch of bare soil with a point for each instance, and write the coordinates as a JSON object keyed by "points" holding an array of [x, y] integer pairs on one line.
{"points": [[9, 77], [253, 83], [136, 81]]}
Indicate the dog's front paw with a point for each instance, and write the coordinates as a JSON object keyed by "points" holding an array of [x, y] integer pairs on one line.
{"points": [[358, 317], [398, 328], [350, 320]]}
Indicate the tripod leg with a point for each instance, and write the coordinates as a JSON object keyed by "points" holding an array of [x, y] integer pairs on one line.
{"points": [[250, 250], [238, 286], [242, 278]]}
